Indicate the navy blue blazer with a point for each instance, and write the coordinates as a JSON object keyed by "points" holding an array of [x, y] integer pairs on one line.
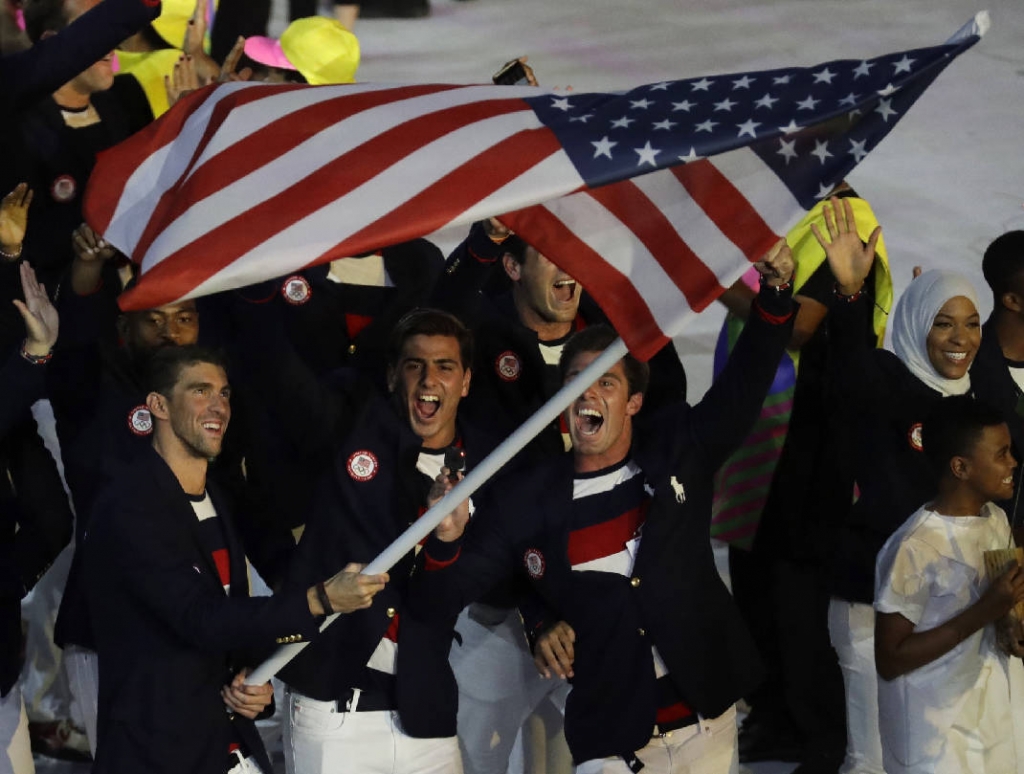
{"points": [[675, 598], [167, 635], [354, 518]]}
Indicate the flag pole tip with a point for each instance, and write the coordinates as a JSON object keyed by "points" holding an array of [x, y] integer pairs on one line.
{"points": [[982, 22]]}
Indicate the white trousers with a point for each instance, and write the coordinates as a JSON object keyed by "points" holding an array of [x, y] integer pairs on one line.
{"points": [[851, 627], [321, 740], [83, 669], [15, 749], [245, 766], [708, 747], [44, 684], [499, 687]]}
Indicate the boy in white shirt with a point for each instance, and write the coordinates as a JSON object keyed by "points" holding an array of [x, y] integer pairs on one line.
{"points": [[944, 690]]}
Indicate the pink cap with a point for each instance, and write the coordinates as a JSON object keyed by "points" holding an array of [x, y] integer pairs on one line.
{"points": [[267, 51]]}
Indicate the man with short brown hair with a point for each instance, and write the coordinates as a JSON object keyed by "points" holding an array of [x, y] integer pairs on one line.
{"points": [[168, 593]]}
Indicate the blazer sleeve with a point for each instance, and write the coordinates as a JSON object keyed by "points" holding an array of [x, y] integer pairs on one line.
{"points": [[21, 384], [137, 545], [721, 420], [32, 74], [449, 576], [855, 376], [465, 273]]}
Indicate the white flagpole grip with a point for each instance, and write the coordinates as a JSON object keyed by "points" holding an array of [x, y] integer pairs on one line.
{"points": [[490, 465]]}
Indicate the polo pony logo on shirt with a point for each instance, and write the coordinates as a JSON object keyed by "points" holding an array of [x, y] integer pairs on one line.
{"points": [[914, 437], [296, 290], [508, 366], [534, 561], [140, 421], [678, 489], [362, 465]]}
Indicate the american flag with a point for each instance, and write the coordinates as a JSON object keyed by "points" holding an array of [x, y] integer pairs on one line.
{"points": [[246, 182]]}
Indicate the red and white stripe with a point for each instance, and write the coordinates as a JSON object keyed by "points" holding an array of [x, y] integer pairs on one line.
{"points": [[385, 656], [609, 546], [245, 182], [250, 181], [656, 249]]}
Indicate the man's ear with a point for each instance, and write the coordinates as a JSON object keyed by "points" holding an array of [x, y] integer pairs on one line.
{"points": [[392, 378], [960, 467], [634, 404], [157, 405], [1012, 301], [512, 267], [466, 377]]}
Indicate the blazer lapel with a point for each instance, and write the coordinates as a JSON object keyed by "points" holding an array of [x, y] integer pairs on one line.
{"points": [[184, 515]]}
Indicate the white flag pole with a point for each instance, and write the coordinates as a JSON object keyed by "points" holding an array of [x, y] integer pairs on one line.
{"points": [[423, 526]]}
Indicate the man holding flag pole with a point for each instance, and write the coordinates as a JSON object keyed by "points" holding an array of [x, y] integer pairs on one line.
{"points": [[614, 538]]}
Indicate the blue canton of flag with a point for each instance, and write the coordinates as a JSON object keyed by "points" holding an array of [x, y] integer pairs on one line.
{"points": [[810, 125]]}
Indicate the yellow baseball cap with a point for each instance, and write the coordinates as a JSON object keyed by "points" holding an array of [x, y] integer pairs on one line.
{"points": [[173, 19], [322, 49]]}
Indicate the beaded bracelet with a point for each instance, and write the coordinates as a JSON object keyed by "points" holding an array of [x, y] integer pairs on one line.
{"points": [[777, 288], [850, 298], [35, 359], [10, 256]]}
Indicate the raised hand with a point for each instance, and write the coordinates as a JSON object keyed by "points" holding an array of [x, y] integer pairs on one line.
{"points": [[90, 246], [849, 259], [39, 314], [453, 525], [227, 69], [496, 230], [182, 80], [207, 70], [14, 220], [777, 265]]}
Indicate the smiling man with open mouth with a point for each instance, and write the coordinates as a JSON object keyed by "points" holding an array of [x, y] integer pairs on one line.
{"points": [[613, 537], [382, 680]]}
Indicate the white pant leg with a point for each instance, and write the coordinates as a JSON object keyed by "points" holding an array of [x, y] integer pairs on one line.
{"points": [[851, 628], [15, 748], [44, 684], [322, 740], [710, 747], [246, 766], [499, 687], [424, 756], [83, 668]]}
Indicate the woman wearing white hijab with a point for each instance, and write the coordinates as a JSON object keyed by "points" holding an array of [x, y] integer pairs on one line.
{"points": [[936, 334]]}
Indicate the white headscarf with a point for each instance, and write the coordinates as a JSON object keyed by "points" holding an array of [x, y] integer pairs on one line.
{"points": [[913, 317]]}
